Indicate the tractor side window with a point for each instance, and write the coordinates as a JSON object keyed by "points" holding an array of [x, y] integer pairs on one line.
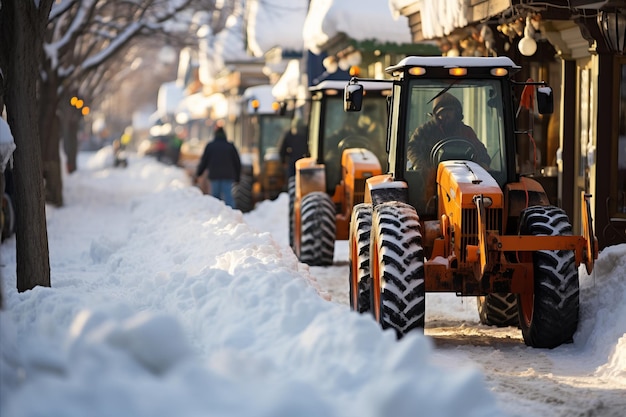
{"points": [[338, 126], [393, 129], [372, 124], [273, 129], [314, 129]]}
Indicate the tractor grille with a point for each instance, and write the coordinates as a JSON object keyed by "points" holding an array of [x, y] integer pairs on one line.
{"points": [[359, 191], [469, 227]]}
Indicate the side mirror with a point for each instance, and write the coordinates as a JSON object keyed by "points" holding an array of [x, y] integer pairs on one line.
{"points": [[545, 100], [353, 97]]}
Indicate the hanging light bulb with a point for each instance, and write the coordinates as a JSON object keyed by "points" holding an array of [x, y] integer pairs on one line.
{"points": [[527, 45], [454, 51], [330, 63], [354, 58], [343, 63]]}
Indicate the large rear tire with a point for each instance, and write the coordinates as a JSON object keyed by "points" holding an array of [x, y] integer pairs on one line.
{"points": [[397, 268], [242, 194], [291, 191], [498, 309], [317, 245], [359, 258], [550, 317]]}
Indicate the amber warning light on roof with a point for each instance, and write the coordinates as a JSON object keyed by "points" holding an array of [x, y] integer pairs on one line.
{"points": [[457, 71]]}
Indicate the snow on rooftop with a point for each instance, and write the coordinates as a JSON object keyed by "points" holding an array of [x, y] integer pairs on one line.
{"points": [[229, 43], [362, 20], [216, 50], [439, 17], [290, 85], [275, 24]]}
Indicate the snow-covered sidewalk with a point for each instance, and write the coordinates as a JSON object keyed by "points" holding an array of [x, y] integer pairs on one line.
{"points": [[166, 302]]}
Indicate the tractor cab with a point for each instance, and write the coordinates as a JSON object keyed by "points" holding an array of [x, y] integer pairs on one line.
{"points": [[447, 109]]}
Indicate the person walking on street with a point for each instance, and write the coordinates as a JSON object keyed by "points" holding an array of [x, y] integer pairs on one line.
{"points": [[221, 159], [294, 146]]}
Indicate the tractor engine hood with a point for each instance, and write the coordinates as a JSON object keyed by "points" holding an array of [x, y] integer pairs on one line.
{"points": [[460, 181]]}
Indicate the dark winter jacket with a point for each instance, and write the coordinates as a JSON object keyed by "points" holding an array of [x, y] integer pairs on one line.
{"points": [[221, 158], [427, 135]]}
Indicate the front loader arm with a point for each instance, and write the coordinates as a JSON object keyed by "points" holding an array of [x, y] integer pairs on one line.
{"points": [[491, 246], [482, 238]]}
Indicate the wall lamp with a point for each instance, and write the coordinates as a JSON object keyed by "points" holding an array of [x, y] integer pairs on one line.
{"points": [[613, 27]]}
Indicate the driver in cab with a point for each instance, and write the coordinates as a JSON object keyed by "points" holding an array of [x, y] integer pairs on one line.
{"points": [[446, 122]]}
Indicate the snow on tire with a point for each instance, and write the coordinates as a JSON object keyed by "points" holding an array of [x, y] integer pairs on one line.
{"points": [[498, 309], [550, 316], [317, 245], [397, 268], [359, 257]]}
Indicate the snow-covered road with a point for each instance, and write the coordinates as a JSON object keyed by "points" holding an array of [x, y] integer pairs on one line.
{"points": [[563, 382]]}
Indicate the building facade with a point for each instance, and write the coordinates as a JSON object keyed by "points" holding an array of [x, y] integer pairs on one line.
{"points": [[577, 47]]}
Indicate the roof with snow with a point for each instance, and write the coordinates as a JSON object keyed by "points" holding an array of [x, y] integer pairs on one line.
{"points": [[275, 23], [370, 20], [438, 18], [290, 84]]}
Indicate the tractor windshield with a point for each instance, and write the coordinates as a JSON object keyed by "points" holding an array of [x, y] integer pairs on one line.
{"points": [[459, 120], [342, 130], [272, 130]]}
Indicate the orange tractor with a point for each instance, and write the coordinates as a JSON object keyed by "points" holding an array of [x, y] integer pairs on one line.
{"points": [[345, 149], [453, 214], [259, 129]]}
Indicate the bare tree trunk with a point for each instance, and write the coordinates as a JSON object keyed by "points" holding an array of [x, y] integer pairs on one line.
{"points": [[22, 24], [70, 145], [69, 132], [49, 127]]}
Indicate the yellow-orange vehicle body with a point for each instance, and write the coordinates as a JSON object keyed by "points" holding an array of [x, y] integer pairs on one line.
{"points": [[455, 224]]}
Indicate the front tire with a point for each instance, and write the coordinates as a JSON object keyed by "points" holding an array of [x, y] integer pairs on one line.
{"points": [[359, 259], [397, 268], [318, 228], [549, 318]]}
